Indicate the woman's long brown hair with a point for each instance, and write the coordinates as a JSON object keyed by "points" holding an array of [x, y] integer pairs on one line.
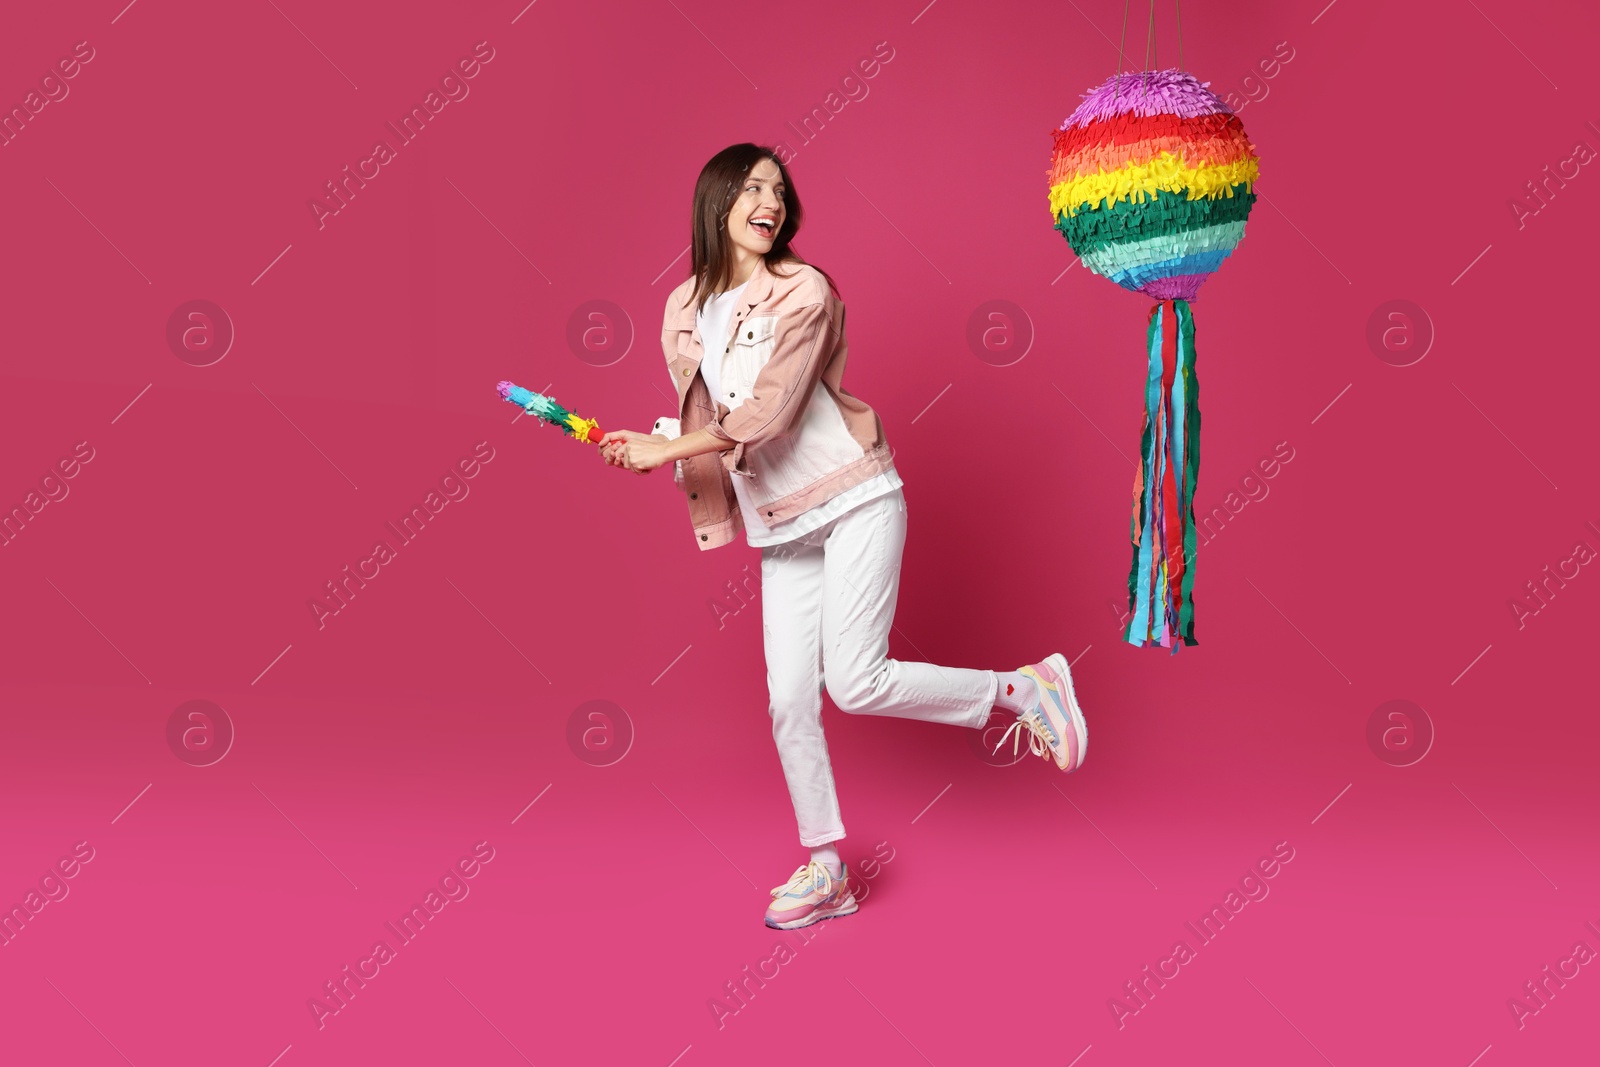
{"points": [[719, 184]]}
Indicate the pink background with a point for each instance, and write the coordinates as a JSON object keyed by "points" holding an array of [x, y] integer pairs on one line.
{"points": [[432, 712]]}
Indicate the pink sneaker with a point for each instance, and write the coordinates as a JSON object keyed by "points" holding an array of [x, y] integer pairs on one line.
{"points": [[1055, 726], [810, 895]]}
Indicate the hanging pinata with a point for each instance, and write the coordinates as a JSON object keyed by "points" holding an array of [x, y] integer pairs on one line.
{"points": [[1151, 182]]}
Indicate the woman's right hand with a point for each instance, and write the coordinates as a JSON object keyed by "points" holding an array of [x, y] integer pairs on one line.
{"points": [[612, 442]]}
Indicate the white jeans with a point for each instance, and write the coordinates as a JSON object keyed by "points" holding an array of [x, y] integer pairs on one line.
{"points": [[827, 605]]}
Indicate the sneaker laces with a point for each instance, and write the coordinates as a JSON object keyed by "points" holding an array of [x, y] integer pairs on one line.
{"points": [[1038, 739], [804, 878]]}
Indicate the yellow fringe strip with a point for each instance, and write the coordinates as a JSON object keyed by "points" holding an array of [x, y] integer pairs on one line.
{"points": [[1139, 181]]}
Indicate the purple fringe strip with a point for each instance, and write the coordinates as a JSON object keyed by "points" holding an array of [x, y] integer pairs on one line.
{"points": [[1146, 93], [1177, 287]]}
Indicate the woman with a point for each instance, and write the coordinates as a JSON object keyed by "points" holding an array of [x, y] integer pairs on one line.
{"points": [[768, 441]]}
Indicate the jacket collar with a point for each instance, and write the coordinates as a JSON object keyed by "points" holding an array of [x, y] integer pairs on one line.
{"points": [[757, 289]]}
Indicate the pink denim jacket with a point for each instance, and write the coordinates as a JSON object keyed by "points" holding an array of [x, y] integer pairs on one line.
{"points": [[798, 436]]}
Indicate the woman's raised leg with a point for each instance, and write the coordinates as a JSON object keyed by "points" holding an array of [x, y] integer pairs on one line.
{"points": [[861, 583]]}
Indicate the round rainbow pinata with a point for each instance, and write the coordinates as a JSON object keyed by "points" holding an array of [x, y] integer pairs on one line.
{"points": [[1151, 181]]}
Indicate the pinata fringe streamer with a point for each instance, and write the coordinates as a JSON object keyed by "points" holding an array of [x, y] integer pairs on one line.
{"points": [[1162, 530]]}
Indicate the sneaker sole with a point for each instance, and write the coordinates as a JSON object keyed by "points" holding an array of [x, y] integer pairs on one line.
{"points": [[1080, 727], [817, 915]]}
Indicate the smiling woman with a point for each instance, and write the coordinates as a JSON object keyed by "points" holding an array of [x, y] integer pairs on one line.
{"points": [[745, 207], [767, 440]]}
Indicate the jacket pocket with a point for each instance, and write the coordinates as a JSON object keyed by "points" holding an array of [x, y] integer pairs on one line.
{"points": [[751, 349]]}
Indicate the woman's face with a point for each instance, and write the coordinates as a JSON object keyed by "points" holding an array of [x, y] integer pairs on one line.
{"points": [[760, 200]]}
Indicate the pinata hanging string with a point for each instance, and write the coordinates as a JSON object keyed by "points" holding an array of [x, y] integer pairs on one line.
{"points": [[1179, 5], [1121, 55], [1150, 40], [1149, 51]]}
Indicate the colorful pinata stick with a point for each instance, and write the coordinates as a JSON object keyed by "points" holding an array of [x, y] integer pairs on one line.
{"points": [[546, 408], [1151, 181]]}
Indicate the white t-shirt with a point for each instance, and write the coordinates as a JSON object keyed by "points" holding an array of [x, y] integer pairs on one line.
{"points": [[713, 321]]}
